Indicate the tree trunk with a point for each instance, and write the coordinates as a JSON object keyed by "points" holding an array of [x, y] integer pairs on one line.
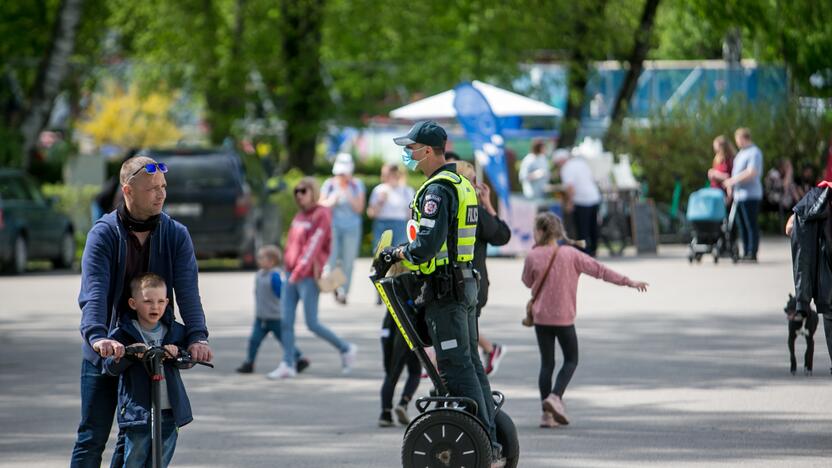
{"points": [[636, 63], [51, 73], [579, 69], [304, 97]]}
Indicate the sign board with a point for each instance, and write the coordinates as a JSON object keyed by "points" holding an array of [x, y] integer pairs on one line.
{"points": [[645, 227]]}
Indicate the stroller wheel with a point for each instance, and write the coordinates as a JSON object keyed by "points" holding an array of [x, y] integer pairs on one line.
{"points": [[716, 259], [446, 438]]}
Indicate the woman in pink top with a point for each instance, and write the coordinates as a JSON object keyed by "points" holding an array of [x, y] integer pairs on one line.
{"points": [[553, 311], [307, 251]]}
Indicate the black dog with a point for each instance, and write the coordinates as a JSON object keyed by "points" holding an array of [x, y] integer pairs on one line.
{"points": [[800, 324]]}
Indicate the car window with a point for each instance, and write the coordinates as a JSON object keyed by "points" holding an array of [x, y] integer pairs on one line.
{"points": [[12, 189], [202, 172]]}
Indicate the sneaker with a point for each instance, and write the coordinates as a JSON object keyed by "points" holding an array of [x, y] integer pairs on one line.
{"points": [[497, 458], [553, 404], [301, 365], [548, 421], [246, 368], [282, 372], [401, 415], [494, 358], [348, 358], [340, 297], [386, 419]]}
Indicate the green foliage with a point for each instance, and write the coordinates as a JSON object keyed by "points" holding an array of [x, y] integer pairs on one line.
{"points": [[75, 202], [679, 144]]}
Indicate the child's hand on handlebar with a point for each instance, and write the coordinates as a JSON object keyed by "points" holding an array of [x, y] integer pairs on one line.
{"points": [[172, 350]]}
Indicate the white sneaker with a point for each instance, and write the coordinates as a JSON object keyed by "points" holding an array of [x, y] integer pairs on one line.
{"points": [[348, 358], [282, 372]]}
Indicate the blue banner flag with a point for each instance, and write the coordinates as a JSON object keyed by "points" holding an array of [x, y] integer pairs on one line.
{"points": [[483, 129]]}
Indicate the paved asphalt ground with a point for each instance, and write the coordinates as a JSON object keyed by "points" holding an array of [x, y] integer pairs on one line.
{"points": [[692, 373]]}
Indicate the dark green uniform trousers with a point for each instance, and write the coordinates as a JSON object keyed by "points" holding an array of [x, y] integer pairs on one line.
{"points": [[453, 328]]}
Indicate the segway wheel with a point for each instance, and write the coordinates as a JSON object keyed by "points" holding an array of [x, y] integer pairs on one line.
{"points": [[446, 439], [507, 437]]}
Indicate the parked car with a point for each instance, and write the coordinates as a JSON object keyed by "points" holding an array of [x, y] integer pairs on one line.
{"points": [[208, 193], [30, 227]]}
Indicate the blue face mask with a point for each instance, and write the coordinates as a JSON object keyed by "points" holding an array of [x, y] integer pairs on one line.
{"points": [[407, 159]]}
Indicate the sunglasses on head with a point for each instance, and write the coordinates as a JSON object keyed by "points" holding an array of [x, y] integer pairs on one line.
{"points": [[300, 190], [151, 168]]}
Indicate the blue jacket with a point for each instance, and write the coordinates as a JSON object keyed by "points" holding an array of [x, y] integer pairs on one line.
{"points": [[134, 399], [102, 278]]}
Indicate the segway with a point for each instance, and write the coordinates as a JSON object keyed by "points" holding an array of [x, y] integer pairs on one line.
{"points": [[446, 433], [151, 358]]}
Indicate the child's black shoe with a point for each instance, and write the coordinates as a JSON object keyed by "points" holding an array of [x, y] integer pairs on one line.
{"points": [[246, 368], [301, 365]]}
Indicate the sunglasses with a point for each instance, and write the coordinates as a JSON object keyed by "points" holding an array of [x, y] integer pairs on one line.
{"points": [[151, 168], [300, 190]]}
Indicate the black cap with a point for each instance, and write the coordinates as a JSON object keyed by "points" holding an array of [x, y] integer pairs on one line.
{"points": [[426, 132]]}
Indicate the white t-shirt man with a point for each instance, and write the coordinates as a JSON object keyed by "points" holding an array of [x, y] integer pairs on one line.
{"points": [[576, 173], [533, 182], [396, 204], [751, 189]]}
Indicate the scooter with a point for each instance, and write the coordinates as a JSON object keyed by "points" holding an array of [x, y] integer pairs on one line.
{"points": [[151, 358], [446, 433]]}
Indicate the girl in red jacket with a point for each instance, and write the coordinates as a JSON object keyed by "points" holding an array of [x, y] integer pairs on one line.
{"points": [[553, 311], [307, 251]]}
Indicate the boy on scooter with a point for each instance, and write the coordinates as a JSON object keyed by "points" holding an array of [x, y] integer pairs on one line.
{"points": [[148, 324]]}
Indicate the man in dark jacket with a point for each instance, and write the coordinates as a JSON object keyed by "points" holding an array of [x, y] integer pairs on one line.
{"points": [[135, 239], [491, 230], [810, 229]]}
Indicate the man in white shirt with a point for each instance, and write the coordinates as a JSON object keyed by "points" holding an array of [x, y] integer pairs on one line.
{"points": [[534, 172], [582, 197], [747, 187]]}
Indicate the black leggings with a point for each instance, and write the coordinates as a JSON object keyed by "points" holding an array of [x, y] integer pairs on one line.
{"points": [[396, 356], [568, 340]]}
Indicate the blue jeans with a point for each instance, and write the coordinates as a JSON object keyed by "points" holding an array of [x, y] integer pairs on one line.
{"points": [[398, 226], [305, 290], [260, 330], [345, 245], [138, 449], [99, 399], [748, 211]]}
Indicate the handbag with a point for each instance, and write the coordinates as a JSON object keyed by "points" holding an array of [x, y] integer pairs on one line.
{"points": [[330, 280], [528, 321]]}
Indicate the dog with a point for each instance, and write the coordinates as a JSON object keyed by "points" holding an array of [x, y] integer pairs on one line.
{"points": [[801, 324]]}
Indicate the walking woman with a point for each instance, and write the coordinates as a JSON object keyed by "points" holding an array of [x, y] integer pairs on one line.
{"points": [[559, 267], [344, 194], [307, 250]]}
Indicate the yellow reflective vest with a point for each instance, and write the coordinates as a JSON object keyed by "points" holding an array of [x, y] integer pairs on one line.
{"points": [[466, 222]]}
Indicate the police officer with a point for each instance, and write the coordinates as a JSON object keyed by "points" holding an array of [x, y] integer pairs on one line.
{"points": [[445, 210]]}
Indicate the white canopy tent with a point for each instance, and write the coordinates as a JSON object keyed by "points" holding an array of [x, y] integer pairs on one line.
{"points": [[504, 104]]}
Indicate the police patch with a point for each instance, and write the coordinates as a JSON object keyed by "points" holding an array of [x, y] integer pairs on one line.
{"points": [[430, 208], [472, 215]]}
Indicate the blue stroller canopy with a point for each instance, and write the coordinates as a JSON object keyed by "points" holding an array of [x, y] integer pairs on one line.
{"points": [[707, 204]]}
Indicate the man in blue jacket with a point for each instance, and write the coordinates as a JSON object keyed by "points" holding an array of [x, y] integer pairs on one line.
{"points": [[134, 239]]}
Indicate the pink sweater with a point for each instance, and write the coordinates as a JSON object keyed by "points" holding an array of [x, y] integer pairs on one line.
{"points": [[555, 304], [308, 243]]}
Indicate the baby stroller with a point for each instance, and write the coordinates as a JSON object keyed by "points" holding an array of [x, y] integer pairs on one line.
{"points": [[713, 231]]}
